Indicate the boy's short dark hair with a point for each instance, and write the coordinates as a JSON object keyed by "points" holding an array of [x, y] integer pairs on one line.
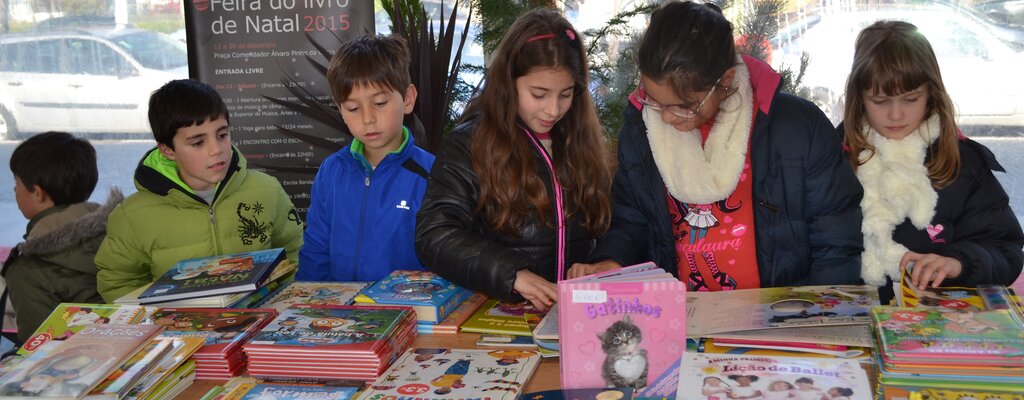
{"points": [[62, 165], [380, 60], [181, 103]]}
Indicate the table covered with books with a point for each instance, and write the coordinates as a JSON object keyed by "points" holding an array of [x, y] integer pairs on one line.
{"points": [[636, 332], [545, 377]]}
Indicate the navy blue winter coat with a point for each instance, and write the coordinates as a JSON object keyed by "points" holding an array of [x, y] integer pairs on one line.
{"points": [[807, 218]]}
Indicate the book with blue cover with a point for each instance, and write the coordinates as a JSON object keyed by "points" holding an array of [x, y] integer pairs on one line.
{"points": [[215, 275], [432, 296]]}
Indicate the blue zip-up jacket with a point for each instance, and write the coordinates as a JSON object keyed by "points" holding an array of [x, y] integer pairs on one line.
{"points": [[361, 221]]}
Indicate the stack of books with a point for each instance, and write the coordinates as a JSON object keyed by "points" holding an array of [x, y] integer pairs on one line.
{"points": [[317, 343], [456, 374], [236, 280], [224, 332], [806, 321], [943, 348], [451, 324], [74, 367], [431, 296]]}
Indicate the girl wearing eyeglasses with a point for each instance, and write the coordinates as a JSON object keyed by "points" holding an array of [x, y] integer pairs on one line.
{"points": [[721, 177], [520, 190], [930, 198]]}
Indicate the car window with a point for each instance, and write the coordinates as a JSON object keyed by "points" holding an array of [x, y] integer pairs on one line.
{"points": [[91, 57], [38, 56], [153, 50]]}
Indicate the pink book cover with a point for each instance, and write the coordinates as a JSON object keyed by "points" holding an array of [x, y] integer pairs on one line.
{"points": [[619, 334]]}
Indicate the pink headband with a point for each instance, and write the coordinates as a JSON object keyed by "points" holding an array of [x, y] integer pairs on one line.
{"points": [[568, 33]]}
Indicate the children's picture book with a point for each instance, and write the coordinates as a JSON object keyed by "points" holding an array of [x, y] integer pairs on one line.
{"points": [[423, 373], [501, 340], [839, 335], [329, 327], [300, 292], [778, 307], [116, 385], [727, 376], [282, 391], [451, 324], [181, 350], [955, 394], [981, 297], [582, 394], [69, 318], [432, 296], [619, 333], [547, 328], [284, 272], [663, 387], [546, 347], [941, 335], [223, 330], [73, 367], [501, 317], [215, 275]]}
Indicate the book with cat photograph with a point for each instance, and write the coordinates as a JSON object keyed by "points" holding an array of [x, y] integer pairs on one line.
{"points": [[619, 333], [733, 376], [428, 373], [781, 307]]}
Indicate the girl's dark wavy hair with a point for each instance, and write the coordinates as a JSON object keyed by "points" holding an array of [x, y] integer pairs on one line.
{"points": [[511, 191], [687, 46]]}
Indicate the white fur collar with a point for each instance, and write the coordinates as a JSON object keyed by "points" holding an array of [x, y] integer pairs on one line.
{"points": [[896, 187], [705, 174]]}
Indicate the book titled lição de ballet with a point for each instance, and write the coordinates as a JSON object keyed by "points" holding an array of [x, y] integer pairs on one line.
{"points": [[616, 332], [736, 376]]}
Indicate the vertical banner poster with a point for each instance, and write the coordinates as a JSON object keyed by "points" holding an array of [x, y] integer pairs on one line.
{"points": [[252, 50]]}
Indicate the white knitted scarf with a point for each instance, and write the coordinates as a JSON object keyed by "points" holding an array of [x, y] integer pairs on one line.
{"points": [[703, 174], [896, 187]]}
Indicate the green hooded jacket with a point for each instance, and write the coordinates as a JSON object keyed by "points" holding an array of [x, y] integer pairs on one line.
{"points": [[55, 262], [166, 222]]}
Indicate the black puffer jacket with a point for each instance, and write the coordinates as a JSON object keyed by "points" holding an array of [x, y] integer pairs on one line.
{"points": [[806, 215], [456, 242], [973, 223]]}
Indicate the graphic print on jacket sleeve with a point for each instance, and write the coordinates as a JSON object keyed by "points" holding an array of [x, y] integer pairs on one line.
{"points": [[249, 226]]}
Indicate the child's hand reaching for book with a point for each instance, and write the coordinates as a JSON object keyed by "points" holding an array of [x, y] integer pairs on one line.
{"points": [[931, 268], [536, 290], [580, 269]]}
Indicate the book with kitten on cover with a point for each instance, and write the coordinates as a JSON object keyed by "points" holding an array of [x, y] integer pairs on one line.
{"points": [[617, 332]]}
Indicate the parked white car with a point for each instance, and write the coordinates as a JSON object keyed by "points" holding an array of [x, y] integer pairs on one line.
{"points": [[82, 82], [980, 72]]}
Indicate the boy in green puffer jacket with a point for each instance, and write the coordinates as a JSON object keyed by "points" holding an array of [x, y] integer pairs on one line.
{"points": [[196, 198], [54, 175]]}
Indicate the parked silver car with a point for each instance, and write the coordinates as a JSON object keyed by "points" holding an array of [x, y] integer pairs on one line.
{"points": [[980, 72], [84, 82]]}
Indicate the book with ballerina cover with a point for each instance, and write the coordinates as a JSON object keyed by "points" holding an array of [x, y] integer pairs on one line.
{"points": [[732, 376]]}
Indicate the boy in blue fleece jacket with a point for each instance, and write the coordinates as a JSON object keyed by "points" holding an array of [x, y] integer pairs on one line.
{"points": [[363, 203]]}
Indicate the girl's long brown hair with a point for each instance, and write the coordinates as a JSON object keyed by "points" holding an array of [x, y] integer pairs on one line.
{"points": [[892, 57], [511, 191]]}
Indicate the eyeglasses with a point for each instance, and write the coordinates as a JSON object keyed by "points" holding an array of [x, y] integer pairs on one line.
{"points": [[679, 110]]}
